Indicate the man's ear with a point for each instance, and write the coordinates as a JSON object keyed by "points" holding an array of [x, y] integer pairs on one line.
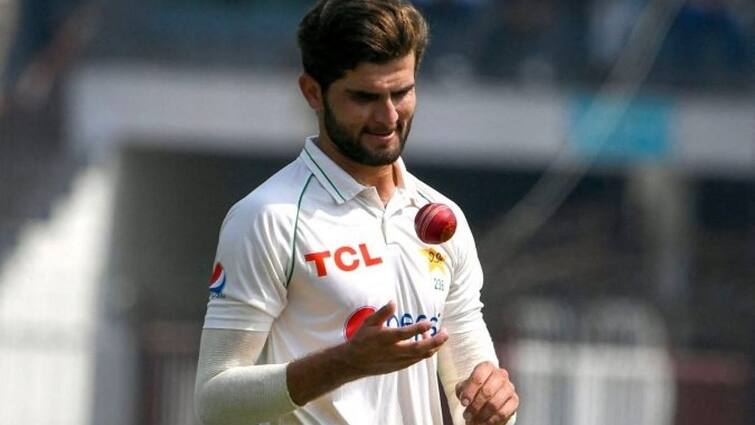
{"points": [[311, 91]]}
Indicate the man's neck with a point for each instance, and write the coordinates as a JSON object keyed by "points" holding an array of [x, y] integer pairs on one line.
{"points": [[381, 177]]}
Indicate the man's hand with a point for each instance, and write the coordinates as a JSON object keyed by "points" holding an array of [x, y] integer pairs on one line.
{"points": [[373, 350], [376, 349], [488, 395]]}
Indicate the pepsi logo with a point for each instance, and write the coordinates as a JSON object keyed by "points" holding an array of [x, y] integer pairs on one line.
{"points": [[355, 321], [357, 318], [217, 280]]}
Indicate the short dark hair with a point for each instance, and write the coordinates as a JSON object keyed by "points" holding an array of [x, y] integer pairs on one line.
{"points": [[337, 35]]}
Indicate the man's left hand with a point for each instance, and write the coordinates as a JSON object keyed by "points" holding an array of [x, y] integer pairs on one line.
{"points": [[488, 395]]}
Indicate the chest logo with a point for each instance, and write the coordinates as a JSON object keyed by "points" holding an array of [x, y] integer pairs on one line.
{"points": [[435, 260], [356, 320], [345, 258]]}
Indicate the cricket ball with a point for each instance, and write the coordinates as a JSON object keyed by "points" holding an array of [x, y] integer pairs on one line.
{"points": [[435, 223]]}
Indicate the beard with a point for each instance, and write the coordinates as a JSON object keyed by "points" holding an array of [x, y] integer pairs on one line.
{"points": [[350, 146]]}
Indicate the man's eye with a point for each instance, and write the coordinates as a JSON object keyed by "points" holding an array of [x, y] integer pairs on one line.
{"points": [[400, 95]]}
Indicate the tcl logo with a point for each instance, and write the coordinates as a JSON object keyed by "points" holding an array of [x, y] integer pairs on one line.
{"points": [[345, 258]]}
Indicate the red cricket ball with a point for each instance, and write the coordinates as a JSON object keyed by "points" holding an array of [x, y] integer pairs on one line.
{"points": [[435, 223]]}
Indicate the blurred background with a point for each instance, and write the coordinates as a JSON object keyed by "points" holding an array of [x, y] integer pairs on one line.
{"points": [[603, 150]]}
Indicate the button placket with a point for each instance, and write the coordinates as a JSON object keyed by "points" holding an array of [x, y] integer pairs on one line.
{"points": [[392, 216]]}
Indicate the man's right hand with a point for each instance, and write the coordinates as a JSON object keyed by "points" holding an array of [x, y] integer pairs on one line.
{"points": [[374, 349]]}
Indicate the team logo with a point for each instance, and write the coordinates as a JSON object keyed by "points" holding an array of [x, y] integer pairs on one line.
{"points": [[217, 281], [435, 260]]}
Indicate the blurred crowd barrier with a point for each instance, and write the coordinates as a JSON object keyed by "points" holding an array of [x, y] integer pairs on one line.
{"points": [[607, 364], [610, 362]]}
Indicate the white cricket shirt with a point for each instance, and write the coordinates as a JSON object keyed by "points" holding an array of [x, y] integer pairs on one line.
{"points": [[311, 252]]}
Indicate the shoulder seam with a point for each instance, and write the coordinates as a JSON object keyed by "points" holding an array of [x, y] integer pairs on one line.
{"points": [[424, 196], [296, 226]]}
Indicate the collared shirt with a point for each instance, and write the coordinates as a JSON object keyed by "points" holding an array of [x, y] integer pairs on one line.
{"points": [[311, 252]]}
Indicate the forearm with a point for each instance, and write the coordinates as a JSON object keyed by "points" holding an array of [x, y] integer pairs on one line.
{"points": [[251, 394], [457, 359], [319, 373], [244, 395], [230, 389]]}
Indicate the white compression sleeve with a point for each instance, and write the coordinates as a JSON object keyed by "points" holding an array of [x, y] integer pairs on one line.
{"points": [[456, 360], [230, 389]]}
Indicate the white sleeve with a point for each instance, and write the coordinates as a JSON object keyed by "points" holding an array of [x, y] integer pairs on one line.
{"points": [[469, 341], [230, 389], [456, 360], [248, 288], [462, 311]]}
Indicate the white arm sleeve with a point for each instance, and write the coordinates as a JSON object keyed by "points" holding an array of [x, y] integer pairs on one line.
{"points": [[230, 389], [456, 360]]}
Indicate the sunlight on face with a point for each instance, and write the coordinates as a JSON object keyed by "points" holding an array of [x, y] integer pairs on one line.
{"points": [[368, 112]]}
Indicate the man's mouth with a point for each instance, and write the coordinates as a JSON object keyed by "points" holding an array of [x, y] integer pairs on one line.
{"points": [[381, 133], [382, 138]]}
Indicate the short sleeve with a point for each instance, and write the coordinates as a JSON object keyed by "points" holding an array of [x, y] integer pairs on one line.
{"points": [[463, 308], [248, 285]]}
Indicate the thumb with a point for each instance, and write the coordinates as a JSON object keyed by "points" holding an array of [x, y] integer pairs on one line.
{"points": [[381, 315]]}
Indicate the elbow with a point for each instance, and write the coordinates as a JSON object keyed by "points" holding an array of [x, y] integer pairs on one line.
{"points": [[206, 409], [212, 406]]}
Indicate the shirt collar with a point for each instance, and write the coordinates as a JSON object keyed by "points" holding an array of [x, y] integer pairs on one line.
{"points": [[341, 185]]}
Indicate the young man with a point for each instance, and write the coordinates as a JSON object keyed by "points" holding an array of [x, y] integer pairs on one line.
{"points": [[325, 306]]}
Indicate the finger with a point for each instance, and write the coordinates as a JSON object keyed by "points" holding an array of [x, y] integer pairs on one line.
{"points": [[505, 409], [467, 390], [429, 346], [510, 407], [415, 351], [499, 418], [406, 332], [495, 420], [494, 386], [379, 317], [491, 410], [423, 348]]}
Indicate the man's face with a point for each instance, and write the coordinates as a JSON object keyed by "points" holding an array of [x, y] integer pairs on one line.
{"points": [[368, 112]]}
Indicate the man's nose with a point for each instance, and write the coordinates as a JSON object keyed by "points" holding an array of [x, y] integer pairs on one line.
{"points": [[386, 113]]}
